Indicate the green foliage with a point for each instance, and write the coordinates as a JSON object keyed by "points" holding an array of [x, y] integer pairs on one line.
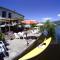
{"points": [[41, 28], [1, 36], [21, 18], [50, 28], [33, 25]]}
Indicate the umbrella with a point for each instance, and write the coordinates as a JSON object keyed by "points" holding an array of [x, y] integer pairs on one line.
{"points": [[2, 25], [40, 24], [27, 26], [29, 22]]}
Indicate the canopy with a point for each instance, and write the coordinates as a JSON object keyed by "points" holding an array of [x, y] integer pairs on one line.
{"points": [[29, 22]]}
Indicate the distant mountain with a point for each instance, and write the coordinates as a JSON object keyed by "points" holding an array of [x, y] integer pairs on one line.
{"points": [[57, 22]]}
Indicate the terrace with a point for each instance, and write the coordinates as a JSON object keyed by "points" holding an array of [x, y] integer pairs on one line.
{"points": [[21, 41]]}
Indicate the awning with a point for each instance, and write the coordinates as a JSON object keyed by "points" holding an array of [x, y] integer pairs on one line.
{"points": [[29, 22]]}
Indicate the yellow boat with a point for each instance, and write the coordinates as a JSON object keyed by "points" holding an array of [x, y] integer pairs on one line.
{"points": [[39, 49]]}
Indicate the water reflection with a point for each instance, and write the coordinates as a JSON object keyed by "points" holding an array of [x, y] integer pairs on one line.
{"points": [[58, 34]]}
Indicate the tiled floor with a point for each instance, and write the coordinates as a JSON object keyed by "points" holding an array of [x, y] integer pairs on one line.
{"points": [[16, 47]]}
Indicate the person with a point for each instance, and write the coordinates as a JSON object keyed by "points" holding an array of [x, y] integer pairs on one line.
{"points": [[26, 37], [45, 33]]}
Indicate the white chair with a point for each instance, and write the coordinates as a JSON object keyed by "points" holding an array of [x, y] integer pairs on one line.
{"points": [[37, 35], [16, 36], [34, 31], [21, 34]]}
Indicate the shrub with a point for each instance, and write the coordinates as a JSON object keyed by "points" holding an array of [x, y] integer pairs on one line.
{"points": [[1, 37]]}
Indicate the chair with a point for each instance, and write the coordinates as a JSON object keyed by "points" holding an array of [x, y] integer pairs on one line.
{"points": [[34, 34], [26, 34], [21, 34], [16, 36]]}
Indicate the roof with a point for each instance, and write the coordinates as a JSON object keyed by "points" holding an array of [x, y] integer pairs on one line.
{"points": [[12, 11]]}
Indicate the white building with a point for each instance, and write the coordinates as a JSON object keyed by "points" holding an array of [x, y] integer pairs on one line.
{"points": [[7, 13], [9, 18]]}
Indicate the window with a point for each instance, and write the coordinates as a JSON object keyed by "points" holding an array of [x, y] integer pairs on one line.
{"points": [[4, 14], [9, 15]]}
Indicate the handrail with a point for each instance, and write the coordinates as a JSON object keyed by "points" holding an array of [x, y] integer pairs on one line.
{"points": [[38, 50]]}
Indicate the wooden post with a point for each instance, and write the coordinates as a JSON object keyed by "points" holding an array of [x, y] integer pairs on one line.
{"points": [[9, 26]]}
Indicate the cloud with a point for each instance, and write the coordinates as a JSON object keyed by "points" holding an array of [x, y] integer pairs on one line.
{"points": [[58, 14], [48, 18]]}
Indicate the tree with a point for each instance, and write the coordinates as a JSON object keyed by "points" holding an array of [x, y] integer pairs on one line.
{"points": [[50, 27], [21, 19], [33, 25]]}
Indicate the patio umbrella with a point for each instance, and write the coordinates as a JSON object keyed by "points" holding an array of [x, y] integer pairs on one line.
{"points": [[40, 24], [2, 25], [27, 26], [29, 22]]}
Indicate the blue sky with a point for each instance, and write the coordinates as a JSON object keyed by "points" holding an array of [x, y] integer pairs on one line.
{"points": [[35, 9]]}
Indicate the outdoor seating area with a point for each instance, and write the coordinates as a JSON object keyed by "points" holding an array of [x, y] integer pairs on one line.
{"points": [[29, 28], [24, 34], [19, 37], [20, 42]]}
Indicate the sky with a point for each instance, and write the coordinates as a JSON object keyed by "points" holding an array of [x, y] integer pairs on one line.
{"points": [[40, 10]]}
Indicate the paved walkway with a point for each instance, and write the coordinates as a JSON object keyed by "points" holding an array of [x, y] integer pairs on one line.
{"points": [[16, 47]]}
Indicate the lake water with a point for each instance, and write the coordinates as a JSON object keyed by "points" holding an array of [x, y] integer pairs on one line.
{"points": [[57, 34]]}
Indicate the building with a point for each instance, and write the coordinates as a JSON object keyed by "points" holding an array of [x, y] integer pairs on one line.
{"points": [[7, 13], [9, 18]]}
